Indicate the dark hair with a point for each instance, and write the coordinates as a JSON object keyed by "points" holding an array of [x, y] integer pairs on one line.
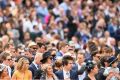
{"points": [[90, 65], [103, 60], [41, 44], [66, 59]]}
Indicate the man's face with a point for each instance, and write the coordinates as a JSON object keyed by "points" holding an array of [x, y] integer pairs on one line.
{"points": [[80, 58], [9, 61], [69, 65], [97, 57]]}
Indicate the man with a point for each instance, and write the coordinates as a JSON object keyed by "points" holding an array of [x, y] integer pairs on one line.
{"points": [[41, 47], [35, 65], [7, 61], [80, 63], [63, 48], [67, 73]]}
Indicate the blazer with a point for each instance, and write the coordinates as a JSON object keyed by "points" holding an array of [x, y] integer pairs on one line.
{"points": [[73, 75], [33, 69]]}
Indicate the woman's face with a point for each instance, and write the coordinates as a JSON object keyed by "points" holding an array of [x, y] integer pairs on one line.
{"points": [[26, 65], [95, 70], [5, 72], [49, 70]]}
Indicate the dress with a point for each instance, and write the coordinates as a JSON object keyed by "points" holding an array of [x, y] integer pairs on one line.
{"points": [[22, 76]]}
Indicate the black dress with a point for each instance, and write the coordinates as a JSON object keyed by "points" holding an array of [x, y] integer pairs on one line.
{"points": [[86, 78]]}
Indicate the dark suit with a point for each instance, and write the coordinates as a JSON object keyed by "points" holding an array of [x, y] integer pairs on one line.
{"points": [[33, 69], [73, 75]]}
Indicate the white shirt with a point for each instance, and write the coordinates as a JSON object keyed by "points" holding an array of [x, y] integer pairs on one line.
{"points": [[66, 74], [35, 65]]}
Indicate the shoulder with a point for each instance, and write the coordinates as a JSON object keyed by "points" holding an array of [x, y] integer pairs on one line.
{"points": [[16, 72], [58, 72], [86, 78]]}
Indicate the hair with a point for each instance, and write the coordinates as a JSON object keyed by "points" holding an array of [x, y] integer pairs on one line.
{"points": [[46, 66], [3, 56], [41, 44], [58, 63], [61, 44], [66, 59], [103, 60], [20, 64], [90, 65]]}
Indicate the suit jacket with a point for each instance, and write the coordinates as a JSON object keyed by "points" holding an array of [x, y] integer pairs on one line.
{"points": [[73, 75], [81, 71], [33, 69]]}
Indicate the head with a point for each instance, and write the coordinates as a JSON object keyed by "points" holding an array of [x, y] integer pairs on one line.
{"points": [[80, 57], [26, 36], [6, 58], [5, 39], [91, 67], [113, 61], [23, 64], [32, 47], [38, 58], [67, 62], [107, 51], [63, 46], [3, 71], [104, 61], [47, 58], [48, 69], [41, 47], [9, 47]]}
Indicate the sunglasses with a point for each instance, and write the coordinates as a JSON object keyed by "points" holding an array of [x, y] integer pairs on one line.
{"points": [[9, 59]]}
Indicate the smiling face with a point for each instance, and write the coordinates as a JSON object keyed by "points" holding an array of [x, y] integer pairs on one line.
{"points": [[49, 70]]}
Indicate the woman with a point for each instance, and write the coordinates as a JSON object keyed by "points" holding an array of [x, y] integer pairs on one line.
{"points": [[92, 70], [22, 72], [4, 73], [48, 73]]}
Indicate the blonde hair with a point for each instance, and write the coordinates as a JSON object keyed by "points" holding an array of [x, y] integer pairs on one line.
{"points": [[21, 63]]}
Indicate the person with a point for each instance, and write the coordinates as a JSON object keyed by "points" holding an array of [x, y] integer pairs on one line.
{"points": [[4, 73], [112, 72], [67, 73], [48, 73], [79, 64], [35, 65], [92, 70], [22, 72], [6, 60], [57, 65], [46, 59]]}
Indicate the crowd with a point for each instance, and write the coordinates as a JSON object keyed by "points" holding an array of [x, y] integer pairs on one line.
{"points": [[59, 39]]}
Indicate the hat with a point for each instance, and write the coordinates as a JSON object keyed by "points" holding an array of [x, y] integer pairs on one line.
{"points": [[111, 60], [32, 44], [45, 56], [2, 67]]}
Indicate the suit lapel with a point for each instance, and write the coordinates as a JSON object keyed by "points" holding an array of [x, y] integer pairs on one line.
{"points": [[34, 67]]}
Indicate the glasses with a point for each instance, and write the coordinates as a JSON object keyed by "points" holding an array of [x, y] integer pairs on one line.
{"points": [[70, 63], [9, 59]]}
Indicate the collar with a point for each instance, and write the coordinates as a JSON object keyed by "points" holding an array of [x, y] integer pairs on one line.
{"points": [[35, 64], [61, 52]]}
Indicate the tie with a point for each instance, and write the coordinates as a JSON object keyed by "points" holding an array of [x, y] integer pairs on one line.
{"points": [[37, 66]]}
